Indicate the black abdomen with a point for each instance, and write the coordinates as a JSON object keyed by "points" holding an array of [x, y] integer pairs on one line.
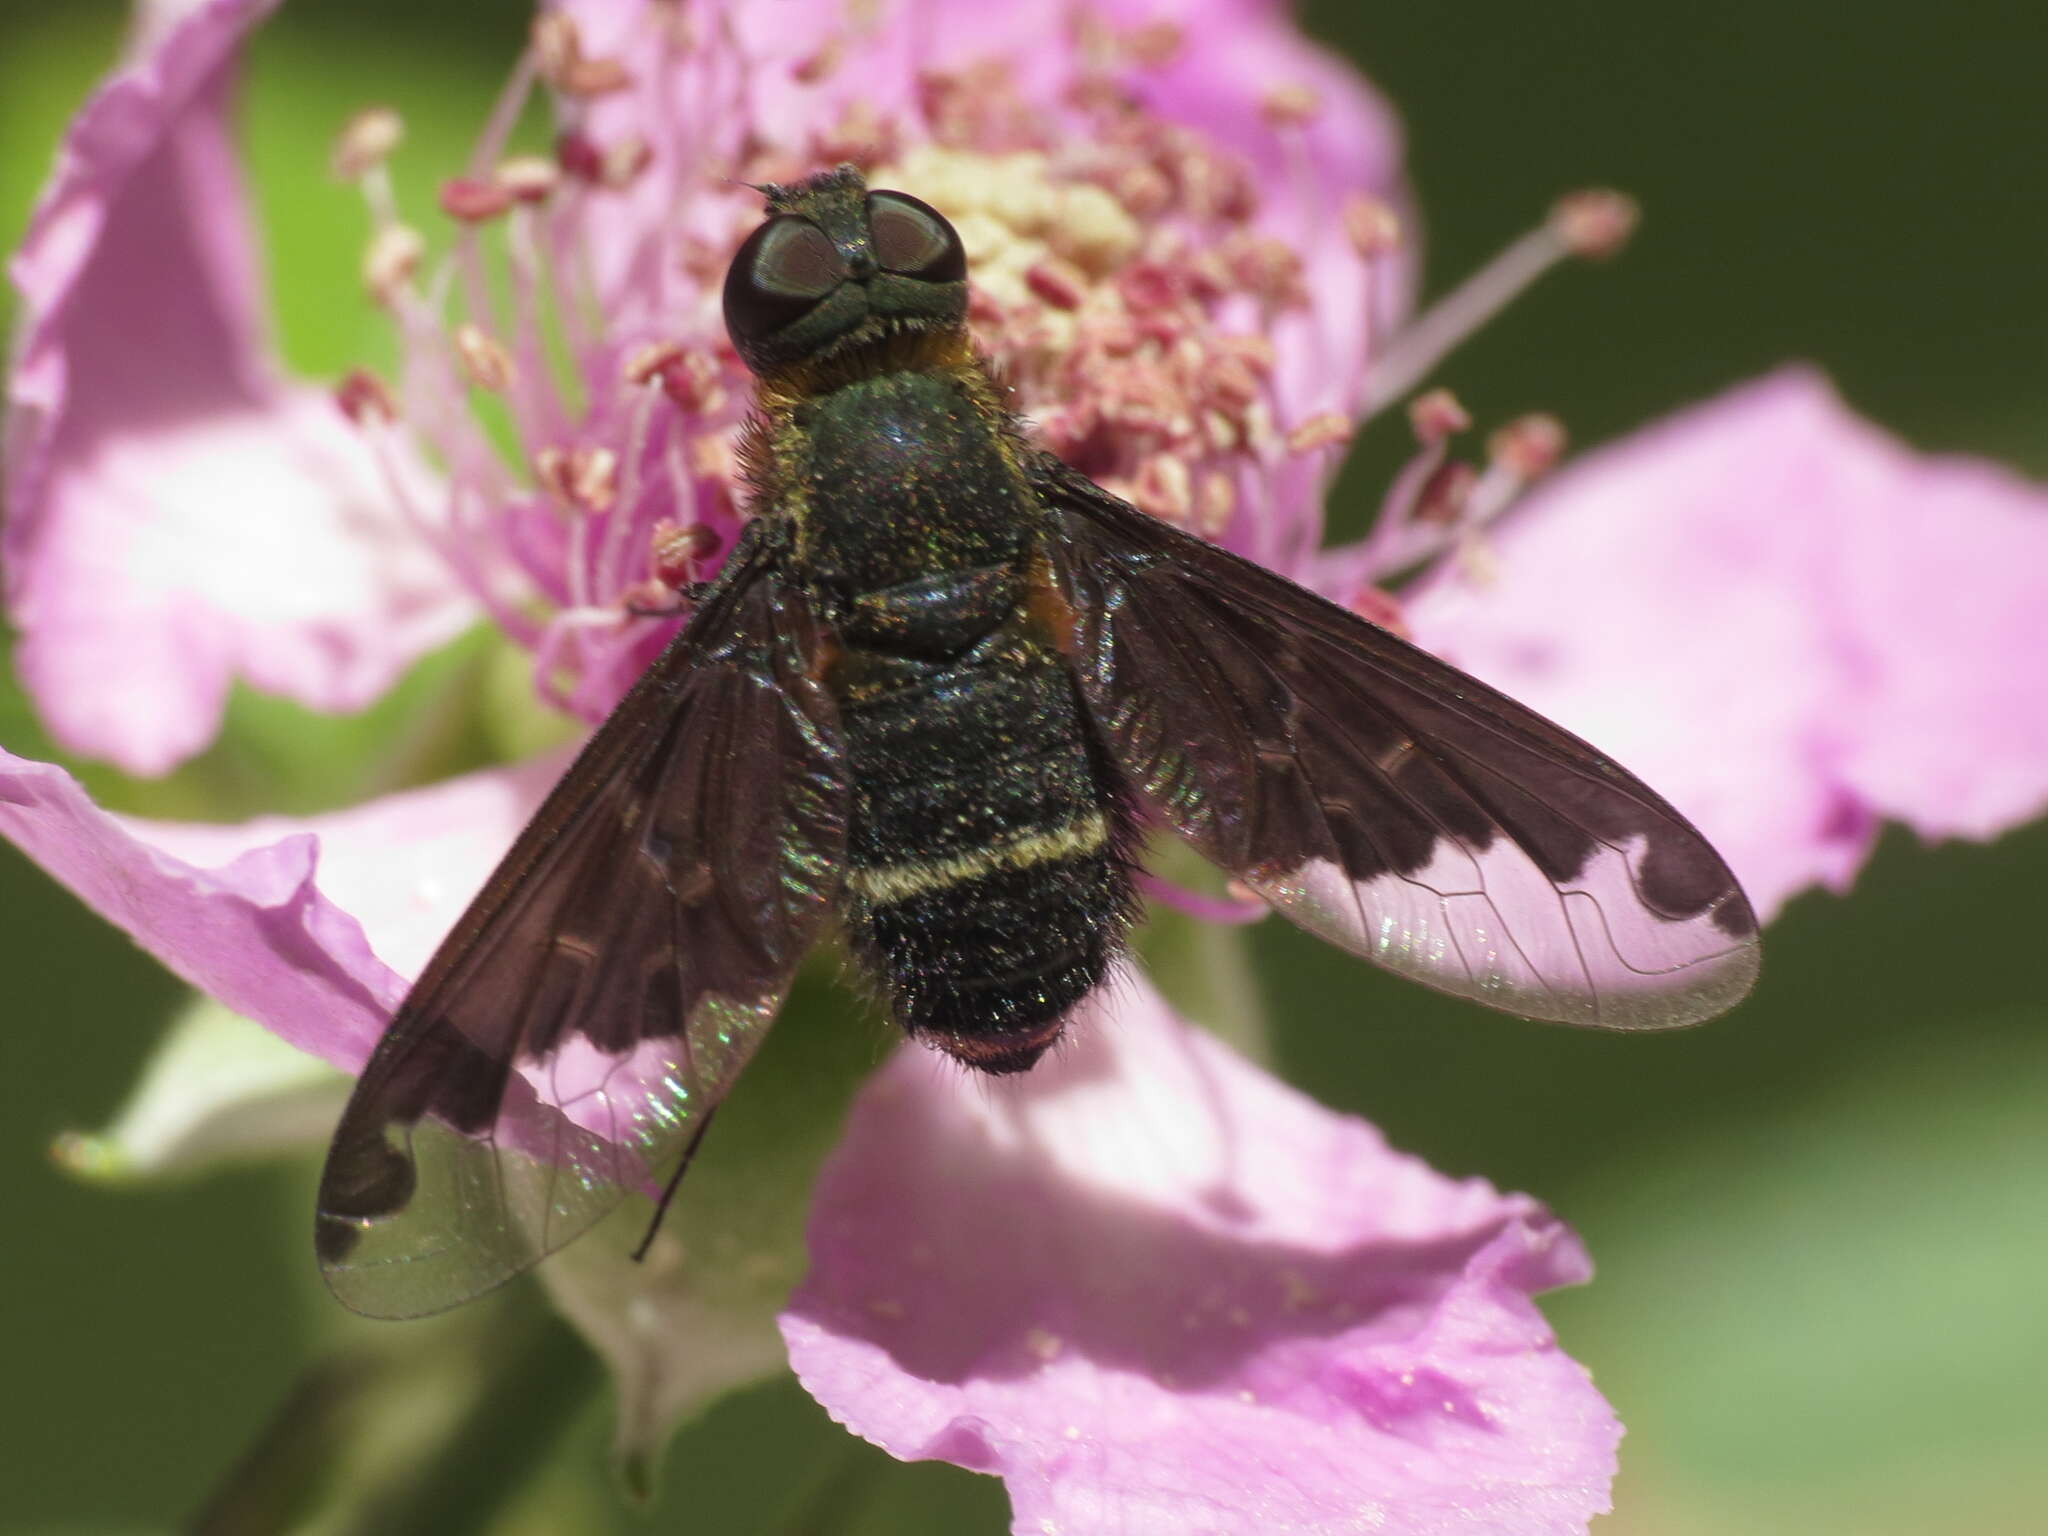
{"points": [[988, 882]]}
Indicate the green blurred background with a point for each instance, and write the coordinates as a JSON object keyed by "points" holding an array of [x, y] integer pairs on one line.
{"points": [[1821, 1224]]}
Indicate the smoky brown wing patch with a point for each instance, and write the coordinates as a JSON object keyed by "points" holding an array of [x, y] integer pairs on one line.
{"points": [[603, 992], [1381, 798]]}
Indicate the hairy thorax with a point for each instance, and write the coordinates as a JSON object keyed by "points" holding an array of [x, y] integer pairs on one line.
{"points": [[910, 515]]}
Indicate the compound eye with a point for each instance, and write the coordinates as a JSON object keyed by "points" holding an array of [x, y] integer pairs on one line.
{"points": [[913, 239], [784, 268]]}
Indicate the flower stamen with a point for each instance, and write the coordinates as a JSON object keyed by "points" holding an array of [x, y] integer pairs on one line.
{"points": [[1127, 285], [529, 178], [473, 202], [1588, 224]]}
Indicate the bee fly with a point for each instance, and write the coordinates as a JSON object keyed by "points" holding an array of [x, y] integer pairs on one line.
{"points": [[938, 683]]}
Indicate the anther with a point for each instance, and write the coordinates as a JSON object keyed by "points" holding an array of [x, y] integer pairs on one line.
{"points": [[1057, 283], [1290, 106], [646, 361], [1269, 268], [1215, 501], [363, 397], [1595, 223], [1254, 351], [1436, 415], [624, 161], [1210, 274], [366, 140], [1446, 494], [1153, 43], [472, 201], [594, 478], [1143, 190], [1147, 287], [585, 478], [1377, 606], [557, 44], [1214, 188], [820, 63], [1164, 487], [1099, 95], [1325, 429], [390, 260], [485, 362], [1256, 424], [551, 469], [612, 165], [677, 553], [1231, 380], [1529, 446], [528, 178], [1477, 561], [693, 382], [578, 155], [983, 307], [1372, 227]]}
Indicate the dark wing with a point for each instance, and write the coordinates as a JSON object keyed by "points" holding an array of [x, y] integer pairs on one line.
{"points": [[1380, 798], [573, 1033]]}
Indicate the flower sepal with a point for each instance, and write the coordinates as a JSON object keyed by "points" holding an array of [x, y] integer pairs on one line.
{"points": [[219, 1089]]}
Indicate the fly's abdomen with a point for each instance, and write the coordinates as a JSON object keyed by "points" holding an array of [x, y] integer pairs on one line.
{"points": [[988, 881]]}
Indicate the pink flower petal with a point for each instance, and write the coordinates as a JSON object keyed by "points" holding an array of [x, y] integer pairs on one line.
{"points": [[402, 866], [1158, 1291], [1790, 624], [177, 517], [254, 932], [308, 927]]}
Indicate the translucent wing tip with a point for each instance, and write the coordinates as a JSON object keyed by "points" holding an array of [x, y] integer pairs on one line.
{"points": [[396, 1226], [1560, 956], [1702, 989]]}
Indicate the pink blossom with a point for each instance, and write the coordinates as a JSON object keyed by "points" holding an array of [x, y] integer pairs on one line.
{"points": [[1151, 1287]]}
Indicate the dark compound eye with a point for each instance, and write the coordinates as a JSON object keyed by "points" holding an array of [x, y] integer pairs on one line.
{"points": [[784, 268], [912, 238]]}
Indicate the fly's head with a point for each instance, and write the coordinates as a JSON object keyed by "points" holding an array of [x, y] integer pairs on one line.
{"points": [[836, 268]]}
